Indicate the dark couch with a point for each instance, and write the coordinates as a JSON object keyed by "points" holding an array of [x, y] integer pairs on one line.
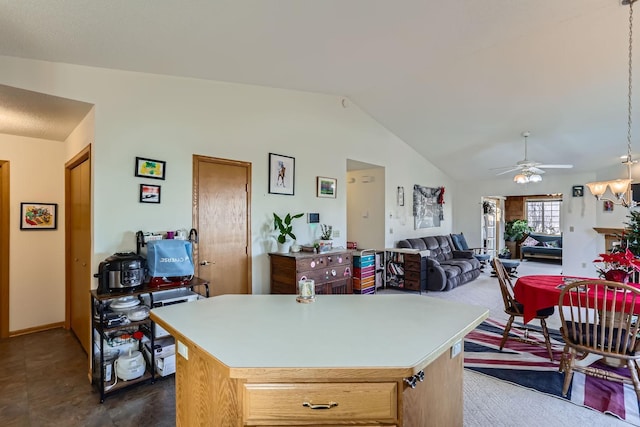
{"points": [[545, 246], [446, 268]]}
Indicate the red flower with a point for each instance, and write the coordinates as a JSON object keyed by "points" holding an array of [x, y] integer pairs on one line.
{"points": [[625, 261]]}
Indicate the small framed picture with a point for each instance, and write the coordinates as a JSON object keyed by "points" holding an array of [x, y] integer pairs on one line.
{"points": [[400, 196], [38, 216], [578, 190], [149, 193], [607, 206], [281, 174], [148, 168], [327, 187]]}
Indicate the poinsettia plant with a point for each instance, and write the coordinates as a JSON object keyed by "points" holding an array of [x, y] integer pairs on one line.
{"points": [[621, 261]]}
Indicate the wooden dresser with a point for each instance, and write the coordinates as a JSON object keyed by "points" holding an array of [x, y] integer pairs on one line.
{"points": [[331, 271]]}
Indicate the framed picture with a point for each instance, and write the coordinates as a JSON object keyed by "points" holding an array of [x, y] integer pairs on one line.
{"points": [[327, 187], [578, 190], [400, 196], [38, 216], [149, 193], [148, 168], [607, 206], [282, 170]]}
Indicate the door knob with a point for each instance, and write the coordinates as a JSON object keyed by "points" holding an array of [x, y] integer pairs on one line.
{"points": [[205, 263]]}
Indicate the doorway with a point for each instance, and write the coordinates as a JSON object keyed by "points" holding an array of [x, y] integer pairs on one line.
{"points": [[222, 217], [365, 204], [78, 277], [4, 249]]}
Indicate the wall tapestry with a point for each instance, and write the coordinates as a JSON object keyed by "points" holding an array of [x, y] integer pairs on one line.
{"points": [[427, 206]]}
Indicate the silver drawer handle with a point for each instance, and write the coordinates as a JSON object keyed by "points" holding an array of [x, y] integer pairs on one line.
{"points": [[320, 405]]}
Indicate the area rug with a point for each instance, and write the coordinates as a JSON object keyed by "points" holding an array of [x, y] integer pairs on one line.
{"points": [[528, 365]]}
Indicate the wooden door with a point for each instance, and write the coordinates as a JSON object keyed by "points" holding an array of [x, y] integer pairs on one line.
{"points": [[221, 215], [4, 249], [78, 246]]}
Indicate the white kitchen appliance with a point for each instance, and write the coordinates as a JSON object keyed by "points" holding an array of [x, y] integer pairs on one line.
{"points": [[130, 366]]}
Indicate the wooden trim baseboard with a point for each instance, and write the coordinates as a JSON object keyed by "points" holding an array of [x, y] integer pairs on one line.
{"points": [[36, 329]]}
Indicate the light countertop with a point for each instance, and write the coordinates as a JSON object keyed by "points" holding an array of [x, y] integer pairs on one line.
{"points": [[341, 331]]}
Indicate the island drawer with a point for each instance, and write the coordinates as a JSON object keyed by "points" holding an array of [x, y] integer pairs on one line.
{"points": [[273, 402]]}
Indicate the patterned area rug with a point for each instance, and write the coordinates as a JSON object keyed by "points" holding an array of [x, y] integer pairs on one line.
{"points": [[528, 365]]}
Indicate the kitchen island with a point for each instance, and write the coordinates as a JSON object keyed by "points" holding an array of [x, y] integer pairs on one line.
{"points": [[245, 360]]}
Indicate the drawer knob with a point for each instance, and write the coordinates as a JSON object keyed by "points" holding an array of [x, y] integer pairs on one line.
{"points": [[320, 405]]}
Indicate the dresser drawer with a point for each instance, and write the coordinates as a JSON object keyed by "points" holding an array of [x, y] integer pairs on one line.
{"points": [[286, 402], [326, 273]]}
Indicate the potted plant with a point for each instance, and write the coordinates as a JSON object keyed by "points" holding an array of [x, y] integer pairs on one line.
{"points": [[505, 253], [325, 242], [515, 229], [285, 229]]}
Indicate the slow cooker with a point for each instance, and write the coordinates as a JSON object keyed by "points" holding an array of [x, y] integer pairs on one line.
{"points": [[121, 271]]}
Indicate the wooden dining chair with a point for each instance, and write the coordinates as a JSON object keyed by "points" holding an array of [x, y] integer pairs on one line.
{"points": [[515, 309], [598, 317]]}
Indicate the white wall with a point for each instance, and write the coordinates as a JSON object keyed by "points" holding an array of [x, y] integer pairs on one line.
{"points": [[36, 259], [171, 119], [580, 246]]}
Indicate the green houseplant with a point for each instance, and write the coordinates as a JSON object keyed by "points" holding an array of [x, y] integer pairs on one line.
{"points": [[285, 229], [515, 229]]}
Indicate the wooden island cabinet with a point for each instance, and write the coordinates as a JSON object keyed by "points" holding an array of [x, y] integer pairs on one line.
{"points": [[266, 360], [331, 271]]}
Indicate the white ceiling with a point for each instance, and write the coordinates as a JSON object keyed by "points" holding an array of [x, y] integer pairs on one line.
{"points": [[457, 80]]}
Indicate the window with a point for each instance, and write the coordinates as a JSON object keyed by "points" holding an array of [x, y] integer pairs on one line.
{"points": [[544, 215]]}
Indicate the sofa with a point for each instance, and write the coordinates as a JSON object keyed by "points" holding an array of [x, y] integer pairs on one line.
{"points": [[537, 245], [446, 267]]}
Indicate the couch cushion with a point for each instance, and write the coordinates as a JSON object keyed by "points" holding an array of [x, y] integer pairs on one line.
{"points": [[530, 241], [459, 242]]}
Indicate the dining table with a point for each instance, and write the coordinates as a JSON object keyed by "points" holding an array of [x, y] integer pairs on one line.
{"points": [[539, 291]]}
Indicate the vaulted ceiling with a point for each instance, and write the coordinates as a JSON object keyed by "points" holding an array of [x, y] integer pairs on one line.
{"points": [[459, 81]]}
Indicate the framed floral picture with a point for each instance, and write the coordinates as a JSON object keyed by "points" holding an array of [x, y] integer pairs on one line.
{"points": [[327, 187], [148, 168], [38, 216], [282, 171]]}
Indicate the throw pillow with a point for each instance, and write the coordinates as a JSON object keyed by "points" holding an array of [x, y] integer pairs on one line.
{"points": [[530, 241], [551, 244], [460, 242]]}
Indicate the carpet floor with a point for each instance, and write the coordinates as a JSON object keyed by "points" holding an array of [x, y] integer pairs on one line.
{"points": [[528, 365]]}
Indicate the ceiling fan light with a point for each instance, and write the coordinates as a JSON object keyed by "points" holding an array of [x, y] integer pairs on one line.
{"points": [[597, 188], [520, 179], [535, 178]]}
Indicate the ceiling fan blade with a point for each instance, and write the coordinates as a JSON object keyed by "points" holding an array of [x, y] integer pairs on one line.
{"points": [[555, 166], [509, 170]]}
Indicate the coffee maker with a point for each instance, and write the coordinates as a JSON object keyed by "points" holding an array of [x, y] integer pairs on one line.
{"points": [[120, 272]]}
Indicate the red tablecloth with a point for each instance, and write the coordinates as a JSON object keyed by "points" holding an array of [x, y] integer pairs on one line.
{"points": [[540, 291]]}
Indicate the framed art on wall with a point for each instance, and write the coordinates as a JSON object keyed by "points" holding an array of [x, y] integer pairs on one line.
{"points": [[281, 174], [327, 187], [149, 193], [400, 196], [148, 168], [578, 190], [38, 216]]}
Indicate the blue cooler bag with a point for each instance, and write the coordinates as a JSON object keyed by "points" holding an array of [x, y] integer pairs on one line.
{"points": [[169, 258]]}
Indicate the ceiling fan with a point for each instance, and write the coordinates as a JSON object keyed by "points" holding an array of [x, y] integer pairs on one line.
{"points": [[530, 171]]}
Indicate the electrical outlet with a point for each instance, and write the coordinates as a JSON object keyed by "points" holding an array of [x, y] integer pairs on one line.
{"points": [[183, 350], [456, 348]]}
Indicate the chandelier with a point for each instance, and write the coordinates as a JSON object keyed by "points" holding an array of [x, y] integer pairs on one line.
{"points": [[621, 188]]}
